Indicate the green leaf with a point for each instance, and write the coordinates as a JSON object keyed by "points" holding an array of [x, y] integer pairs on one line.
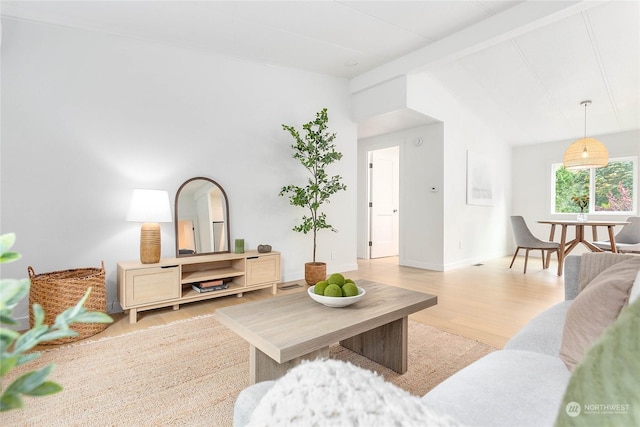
{"points": [[8, 363], [12, 291], [57, 334], [26, 358], [28, 382], [68, 316], [9, 257], [6, 242], [6, 319], [93, 317], [30, 338], [38, 314], [45, 389], [10, 401]]}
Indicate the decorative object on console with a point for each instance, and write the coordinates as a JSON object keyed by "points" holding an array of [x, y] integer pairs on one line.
{"points": [[263, 249], [239, 246], [202, 218], [316, 151], [149, 207], [586, 153], [201, 287]]}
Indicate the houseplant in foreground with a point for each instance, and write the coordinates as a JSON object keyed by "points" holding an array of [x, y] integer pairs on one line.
{"points": [[315, 151], [14, 346]]}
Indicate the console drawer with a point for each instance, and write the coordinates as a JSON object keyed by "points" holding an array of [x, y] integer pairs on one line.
{"points": [[150, 285]]}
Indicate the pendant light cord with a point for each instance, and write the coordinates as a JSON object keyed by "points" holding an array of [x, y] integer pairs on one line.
{"points": [[586, 104]]}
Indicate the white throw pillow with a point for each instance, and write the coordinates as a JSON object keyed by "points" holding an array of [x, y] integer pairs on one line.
{"points": [[330, 392]]}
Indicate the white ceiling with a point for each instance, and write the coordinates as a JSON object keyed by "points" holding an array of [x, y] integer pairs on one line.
{"points": [[523, 66]]}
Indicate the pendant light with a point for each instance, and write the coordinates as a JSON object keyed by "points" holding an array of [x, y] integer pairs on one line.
{"points": [[586, 153]]}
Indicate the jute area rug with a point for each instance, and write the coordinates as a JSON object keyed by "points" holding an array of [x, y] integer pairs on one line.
{"points": [[190, 373]]}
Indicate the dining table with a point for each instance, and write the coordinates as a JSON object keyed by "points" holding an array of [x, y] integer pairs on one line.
{"points": [[567, 246]]}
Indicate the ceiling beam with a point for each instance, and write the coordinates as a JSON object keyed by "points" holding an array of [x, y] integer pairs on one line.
{"points": [[515, 21]]}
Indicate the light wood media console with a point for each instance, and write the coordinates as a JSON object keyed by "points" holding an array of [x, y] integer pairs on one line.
{"points": [[168, 283]]}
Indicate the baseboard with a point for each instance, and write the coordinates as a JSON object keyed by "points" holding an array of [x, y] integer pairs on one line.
{"points": [[421, 265], [471, 261]]}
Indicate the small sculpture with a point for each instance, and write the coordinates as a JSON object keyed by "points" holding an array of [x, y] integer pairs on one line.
{"points": [[264, 248]]}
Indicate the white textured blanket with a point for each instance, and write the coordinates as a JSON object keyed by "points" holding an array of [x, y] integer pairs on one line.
{"points": [[336, 393]]}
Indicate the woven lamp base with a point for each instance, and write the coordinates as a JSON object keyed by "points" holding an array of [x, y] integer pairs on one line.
{"points": [[150, 243]]}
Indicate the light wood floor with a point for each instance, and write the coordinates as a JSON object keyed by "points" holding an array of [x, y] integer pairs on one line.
{"points": [[488, 303]]}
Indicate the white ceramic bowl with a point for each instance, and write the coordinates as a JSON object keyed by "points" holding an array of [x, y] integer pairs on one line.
{"points": [[336, 301]]}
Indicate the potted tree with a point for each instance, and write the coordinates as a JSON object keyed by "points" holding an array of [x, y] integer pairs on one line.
{"points": [[315, 151]]}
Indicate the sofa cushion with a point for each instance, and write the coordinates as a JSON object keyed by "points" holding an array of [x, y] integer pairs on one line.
{"points": [[543, 333], [596, 307], [505, 388], [330, 392], [603, 388], [594, 263]]}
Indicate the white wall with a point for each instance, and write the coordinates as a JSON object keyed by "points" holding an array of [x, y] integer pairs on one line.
{"points": [[471, 233], [532, 179], [87, 117], [420, 210], [440, 230]]}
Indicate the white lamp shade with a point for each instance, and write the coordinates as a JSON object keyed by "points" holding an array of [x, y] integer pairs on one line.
{"points": [[149, 206]]}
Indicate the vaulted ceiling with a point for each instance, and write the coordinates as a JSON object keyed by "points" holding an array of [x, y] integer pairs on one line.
{"points": [[523, 66]]}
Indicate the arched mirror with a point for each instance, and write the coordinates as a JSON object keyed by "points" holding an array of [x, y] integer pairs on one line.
{"points": [[202, 218]]}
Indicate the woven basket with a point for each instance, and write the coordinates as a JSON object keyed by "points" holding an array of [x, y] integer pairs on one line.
{"points": [[59, 290]]}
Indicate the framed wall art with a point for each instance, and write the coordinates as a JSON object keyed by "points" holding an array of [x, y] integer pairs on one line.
{"points": [[480, 179]]}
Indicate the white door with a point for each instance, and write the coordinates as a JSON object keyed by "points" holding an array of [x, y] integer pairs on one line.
{"points": [[383, 202]]}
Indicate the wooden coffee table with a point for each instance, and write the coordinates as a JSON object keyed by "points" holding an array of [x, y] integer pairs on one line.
{"points": [[284, 330]]}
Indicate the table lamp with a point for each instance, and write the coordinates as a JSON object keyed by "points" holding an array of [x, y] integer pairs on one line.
{"points": [[149, 207]]}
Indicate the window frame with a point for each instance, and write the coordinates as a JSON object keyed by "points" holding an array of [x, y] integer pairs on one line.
{"points": [[592, 190]]}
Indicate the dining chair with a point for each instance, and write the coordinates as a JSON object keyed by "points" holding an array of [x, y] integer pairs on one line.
{"points": [[526, 240], [627, 239]]}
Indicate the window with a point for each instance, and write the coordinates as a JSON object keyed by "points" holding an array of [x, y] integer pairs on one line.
{"points": [[612, 189]]}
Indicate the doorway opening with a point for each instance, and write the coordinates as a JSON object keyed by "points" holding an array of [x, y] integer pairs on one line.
{"points": [[383, 203]]}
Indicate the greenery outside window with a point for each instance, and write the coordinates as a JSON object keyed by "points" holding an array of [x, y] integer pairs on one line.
{"points": [[611, 189]]}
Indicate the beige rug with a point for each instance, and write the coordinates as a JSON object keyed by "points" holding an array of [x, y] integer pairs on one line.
{"points": [[190, 373]]}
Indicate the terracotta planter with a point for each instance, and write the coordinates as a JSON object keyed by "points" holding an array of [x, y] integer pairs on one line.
{"points": [[315, 272]]}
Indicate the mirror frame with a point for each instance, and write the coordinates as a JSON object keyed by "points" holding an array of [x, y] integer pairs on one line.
{"points": [[176, 216]]}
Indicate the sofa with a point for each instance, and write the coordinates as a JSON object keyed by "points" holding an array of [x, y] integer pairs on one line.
{"points": [[543, 376]]}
